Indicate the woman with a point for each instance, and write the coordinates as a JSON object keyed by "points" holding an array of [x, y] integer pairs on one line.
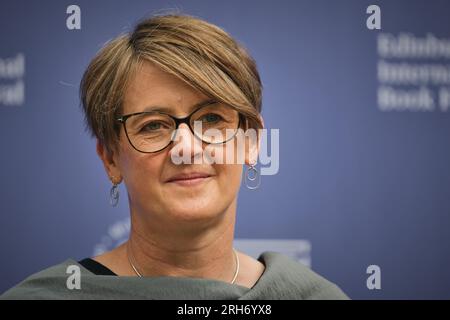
{"points": [[156, 100]]}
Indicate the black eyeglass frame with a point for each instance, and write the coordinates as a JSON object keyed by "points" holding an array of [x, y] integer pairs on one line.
{"points": [[123, 118]]}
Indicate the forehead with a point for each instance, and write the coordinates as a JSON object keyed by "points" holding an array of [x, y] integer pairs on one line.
{"points": [[151, 86]]}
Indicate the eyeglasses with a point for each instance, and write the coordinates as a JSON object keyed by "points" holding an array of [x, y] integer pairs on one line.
{"points": [[153, 131]]}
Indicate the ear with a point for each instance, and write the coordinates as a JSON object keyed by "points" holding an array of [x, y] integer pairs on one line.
{"points": [[109, 159], [253, 145]]}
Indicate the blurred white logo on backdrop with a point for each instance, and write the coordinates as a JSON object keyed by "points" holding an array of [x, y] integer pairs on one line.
{"points": [[12, 73], [413, 72]]}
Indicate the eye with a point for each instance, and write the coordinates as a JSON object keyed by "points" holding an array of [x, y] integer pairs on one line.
{"points": [[152, 126], [211, 117]]}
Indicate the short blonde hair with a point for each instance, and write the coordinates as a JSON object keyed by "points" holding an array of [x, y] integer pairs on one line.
{"points": [[199, 53]]}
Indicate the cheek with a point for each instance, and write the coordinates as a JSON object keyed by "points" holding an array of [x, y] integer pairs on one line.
{"points": [[141, 172], [230, 176]]}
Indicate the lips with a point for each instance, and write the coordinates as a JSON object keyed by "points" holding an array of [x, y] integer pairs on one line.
{"points": [[189, 177]]}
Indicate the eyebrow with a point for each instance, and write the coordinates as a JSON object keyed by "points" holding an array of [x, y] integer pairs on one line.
{"points": [[170, 110]]}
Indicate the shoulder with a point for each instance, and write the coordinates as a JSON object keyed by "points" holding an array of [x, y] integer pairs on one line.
{"points": [[50, 283], [285, 278]]}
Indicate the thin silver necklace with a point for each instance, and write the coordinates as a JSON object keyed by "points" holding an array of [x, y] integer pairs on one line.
{"points": [[236, 258]]}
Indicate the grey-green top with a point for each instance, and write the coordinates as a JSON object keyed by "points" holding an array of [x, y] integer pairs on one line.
{"points": [[283, 278]]}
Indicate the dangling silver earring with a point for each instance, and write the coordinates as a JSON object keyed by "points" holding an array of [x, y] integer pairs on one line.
{"points": [[114, 194], [251, 175]]}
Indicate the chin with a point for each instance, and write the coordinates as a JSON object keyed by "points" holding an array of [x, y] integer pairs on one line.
{"points": [[193, 210]]}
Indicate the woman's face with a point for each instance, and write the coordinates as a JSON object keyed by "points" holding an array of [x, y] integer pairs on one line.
{"points": [[147, 175]]}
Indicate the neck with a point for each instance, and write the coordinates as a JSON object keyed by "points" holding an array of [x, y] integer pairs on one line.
{"points": [[182, 250]]}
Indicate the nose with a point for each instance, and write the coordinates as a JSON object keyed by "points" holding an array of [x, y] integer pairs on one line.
{"points": [[187, 146]]}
